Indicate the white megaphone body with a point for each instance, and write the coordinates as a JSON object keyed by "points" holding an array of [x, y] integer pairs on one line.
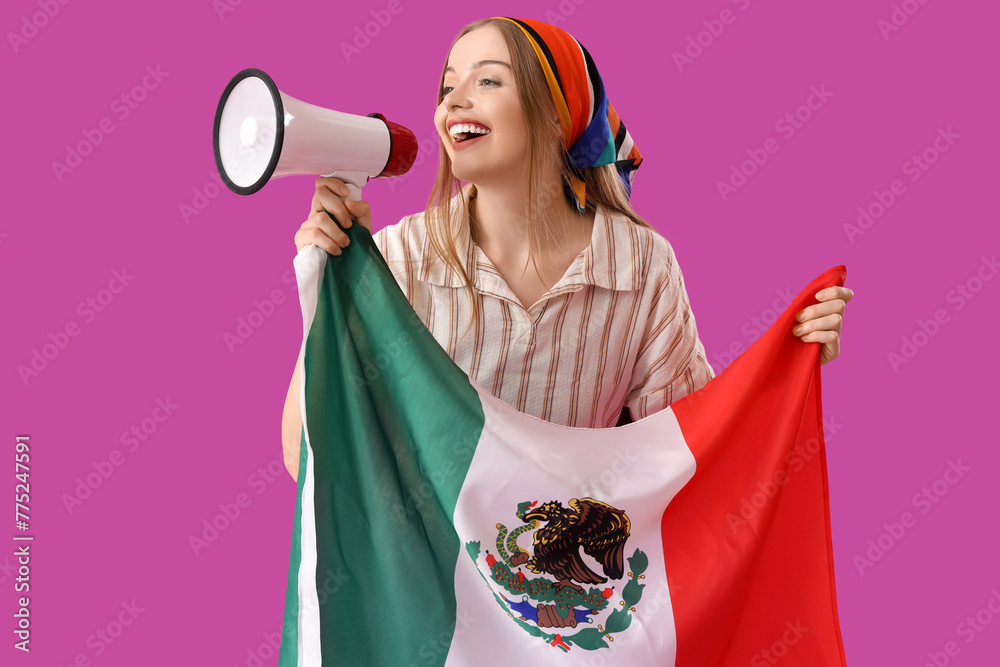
{"points": [[261, 133]]}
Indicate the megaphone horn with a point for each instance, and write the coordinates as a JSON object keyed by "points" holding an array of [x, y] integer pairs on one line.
{"points": [[261, 133]]}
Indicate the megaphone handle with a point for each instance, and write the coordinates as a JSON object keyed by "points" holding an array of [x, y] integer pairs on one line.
{"points": [[350, 179], [355, 191]]}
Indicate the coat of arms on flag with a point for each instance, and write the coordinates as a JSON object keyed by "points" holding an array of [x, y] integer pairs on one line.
{"points": [[539, 603], [436, 525]]}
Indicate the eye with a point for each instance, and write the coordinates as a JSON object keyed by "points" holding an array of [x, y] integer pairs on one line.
{"points": [[447, 89]]}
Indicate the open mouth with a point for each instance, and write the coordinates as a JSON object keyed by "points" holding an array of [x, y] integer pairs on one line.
{"points": [[460, 133]]}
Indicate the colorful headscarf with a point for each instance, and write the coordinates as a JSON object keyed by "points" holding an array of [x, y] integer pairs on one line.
{"points": [[591, 128]]}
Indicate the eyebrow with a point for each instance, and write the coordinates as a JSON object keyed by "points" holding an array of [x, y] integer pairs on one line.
{"points": [[477, 65]]}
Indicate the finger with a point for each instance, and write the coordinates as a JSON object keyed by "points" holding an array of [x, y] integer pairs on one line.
{"points": [[330, 181], [322, 221], [836, 292], [332, 184], [308, 236], [325, 242], [361, 211], [333, 204], [326, 192], [320, 230], [824, 336], [832, 322], [830, 341], [820, 309]]}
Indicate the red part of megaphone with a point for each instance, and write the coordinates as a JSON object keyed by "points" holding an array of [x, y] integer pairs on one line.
{"points": [[262, 133], [402, 151]]}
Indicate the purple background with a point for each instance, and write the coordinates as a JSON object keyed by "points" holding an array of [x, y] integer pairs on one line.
{"points": [[893, 432]]}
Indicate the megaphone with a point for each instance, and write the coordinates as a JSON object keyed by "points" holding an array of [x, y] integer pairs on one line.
{"points": [[261, 133]]}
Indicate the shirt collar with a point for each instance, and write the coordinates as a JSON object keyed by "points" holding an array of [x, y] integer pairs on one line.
{"points": [[613, 260]]}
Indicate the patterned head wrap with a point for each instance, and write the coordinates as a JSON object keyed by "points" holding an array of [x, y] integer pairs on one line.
{"points": [[591, 128]]}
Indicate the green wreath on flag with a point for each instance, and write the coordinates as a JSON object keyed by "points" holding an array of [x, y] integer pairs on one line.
{"points": [[564, 601]]}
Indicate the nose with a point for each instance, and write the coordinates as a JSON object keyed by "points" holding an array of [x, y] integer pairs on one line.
{"points": [[457, 96], [454, 101]]}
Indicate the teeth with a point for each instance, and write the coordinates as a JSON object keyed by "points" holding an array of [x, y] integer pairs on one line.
{"points": [[458, 129]]}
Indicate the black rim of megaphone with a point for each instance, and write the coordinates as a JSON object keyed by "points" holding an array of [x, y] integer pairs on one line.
{"points": [[279, 138]]}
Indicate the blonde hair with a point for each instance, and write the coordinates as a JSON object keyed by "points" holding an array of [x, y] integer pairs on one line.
{"points": [[545, 146]]}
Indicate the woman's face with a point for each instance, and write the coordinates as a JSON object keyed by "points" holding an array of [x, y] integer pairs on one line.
{"points": [[479, 86]]}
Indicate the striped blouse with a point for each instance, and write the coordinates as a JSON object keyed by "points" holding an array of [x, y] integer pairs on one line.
{"points": [[615, 331]]}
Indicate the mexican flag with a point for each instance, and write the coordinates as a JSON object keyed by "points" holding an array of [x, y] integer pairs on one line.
{"points": [[436, 525]]}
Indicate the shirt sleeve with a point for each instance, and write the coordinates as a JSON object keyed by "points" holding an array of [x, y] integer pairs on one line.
{"points": [[671, 362], [389, 242], [379, 239]]}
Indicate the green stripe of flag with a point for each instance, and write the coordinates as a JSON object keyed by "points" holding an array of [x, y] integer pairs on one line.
{"points": [[385, 539]]}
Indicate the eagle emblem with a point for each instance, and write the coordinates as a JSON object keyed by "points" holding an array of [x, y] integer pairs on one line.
{"points": [[598, 528], [562, 537]]}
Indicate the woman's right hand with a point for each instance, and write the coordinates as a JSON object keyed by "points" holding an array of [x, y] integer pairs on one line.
{"points": [[322, 230]]}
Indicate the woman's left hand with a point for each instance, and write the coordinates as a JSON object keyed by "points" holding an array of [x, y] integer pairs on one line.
{"points": [[820, 323]]}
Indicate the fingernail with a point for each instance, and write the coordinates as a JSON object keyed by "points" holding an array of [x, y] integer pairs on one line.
{"points": [[344, 190]]}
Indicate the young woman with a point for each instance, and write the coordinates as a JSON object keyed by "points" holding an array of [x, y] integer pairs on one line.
{"points": [[600, 329]]}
